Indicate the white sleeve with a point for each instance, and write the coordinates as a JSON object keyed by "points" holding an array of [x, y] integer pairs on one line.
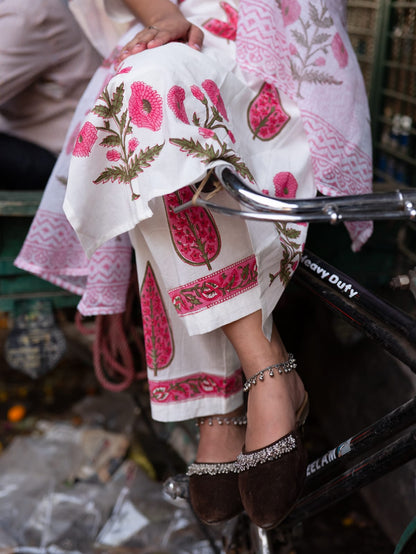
{"points": [[104, 26], [118, 11]]}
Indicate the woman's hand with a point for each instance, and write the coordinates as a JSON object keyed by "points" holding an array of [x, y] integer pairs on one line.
{"points": [[169, 28]]}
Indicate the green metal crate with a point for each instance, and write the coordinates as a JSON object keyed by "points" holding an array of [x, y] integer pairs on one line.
{"points": [[17, 209]]}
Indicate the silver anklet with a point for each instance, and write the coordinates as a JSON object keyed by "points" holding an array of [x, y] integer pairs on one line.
{"points": [[282, 367], [221, 420]]}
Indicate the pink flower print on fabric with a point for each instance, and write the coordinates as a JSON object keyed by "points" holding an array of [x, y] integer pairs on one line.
{"points": [[158, 337], [206, 133], [85, 140], [113, 156], [216, 288], [124, 70], [285, 185], [197, 92], [197, 385], [290, 11], [319, 62], [145, 106], [194, 233], [215, 96], [227, 30], [266, 117], [133, 144], [339, 51], [292, 49], [176, 97]]}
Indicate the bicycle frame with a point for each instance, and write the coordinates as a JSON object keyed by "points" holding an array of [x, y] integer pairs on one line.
{"points": [[391, 439], [400, 204]]}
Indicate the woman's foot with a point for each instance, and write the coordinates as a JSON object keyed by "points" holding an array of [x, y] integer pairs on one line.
{"points": [[272, 466], [221, 442], [271, 409], [213, 477]]}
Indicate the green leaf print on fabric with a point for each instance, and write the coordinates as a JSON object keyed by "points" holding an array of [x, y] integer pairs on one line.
{"points": [[292, 251], [214, 124], [122, 148]]}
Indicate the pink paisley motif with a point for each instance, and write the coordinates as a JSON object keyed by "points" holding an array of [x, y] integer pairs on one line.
{"points": [[85, 140], [145, 106], [124, 70], [290, 11], [158, 337], [194, 234], [215, 96], [176, 97], [197, 92], [266, 116], [227, 30], [195, 386], [285, 185], [339, 51]]}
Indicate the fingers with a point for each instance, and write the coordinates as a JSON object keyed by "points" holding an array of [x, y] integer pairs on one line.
{"points": [[195, 37], [153, 36]]}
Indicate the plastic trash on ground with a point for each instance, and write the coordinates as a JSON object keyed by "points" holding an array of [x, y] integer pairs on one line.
{"points": [[68, 489]]}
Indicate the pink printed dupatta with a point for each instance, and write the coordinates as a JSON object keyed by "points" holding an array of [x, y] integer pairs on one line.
{"points": [[303, 48], [300, 46]]}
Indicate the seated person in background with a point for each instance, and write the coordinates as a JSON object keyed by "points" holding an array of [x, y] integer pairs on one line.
{"points": [[45, 64]]}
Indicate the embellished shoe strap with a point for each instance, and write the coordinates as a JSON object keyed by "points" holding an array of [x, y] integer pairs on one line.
{"points": [[267, 454], [219, 468], [280, 368], [222, 420]]}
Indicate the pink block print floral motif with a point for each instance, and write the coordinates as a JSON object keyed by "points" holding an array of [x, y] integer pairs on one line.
{"points": [[228, 29], [157, 333], [176, 97], [215, 112], [339, 51], [194, 234], [145, 106], [215, 96], [195, 386], [290, 11], [314, 36], [85, 140], [127, 162], [285, 185], [216, 288], [266, 117]]}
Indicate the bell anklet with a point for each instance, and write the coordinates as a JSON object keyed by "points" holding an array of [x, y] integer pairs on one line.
{"points": [[222, 420], [280, 368]]}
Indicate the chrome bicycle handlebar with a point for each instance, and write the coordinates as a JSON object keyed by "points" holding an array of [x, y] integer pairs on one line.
{"points": [[399, 204]]}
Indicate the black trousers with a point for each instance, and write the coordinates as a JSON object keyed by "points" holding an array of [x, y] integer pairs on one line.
{"points": [[23, 165]]}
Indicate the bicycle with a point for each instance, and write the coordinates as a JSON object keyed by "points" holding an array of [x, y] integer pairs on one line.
{"points": [[389, 442]]}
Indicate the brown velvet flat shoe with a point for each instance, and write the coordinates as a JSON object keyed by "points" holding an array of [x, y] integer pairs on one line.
{"points": [[214, 492], [271, 479]]}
